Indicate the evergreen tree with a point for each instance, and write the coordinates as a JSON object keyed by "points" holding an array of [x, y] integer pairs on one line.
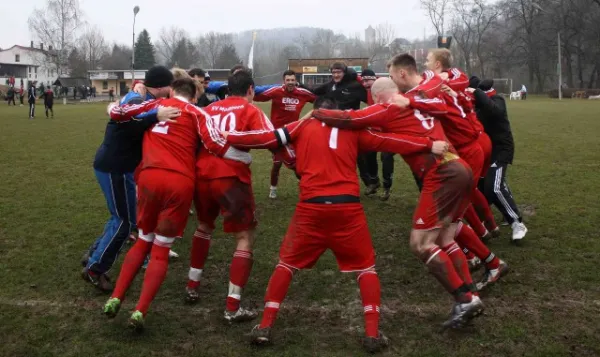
{"points": [[228, 57], [144, 51]]}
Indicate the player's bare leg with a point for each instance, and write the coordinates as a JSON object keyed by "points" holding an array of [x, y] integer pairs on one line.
{"points": [[423, 244], [239, 273], [274, 178], [276, 292], [198, 255]]}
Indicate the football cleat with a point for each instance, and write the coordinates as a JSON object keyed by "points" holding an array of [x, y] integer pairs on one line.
{"points": [[173, 255], [191, 295], [496, 232], [100, 281], [240, 315], [260, 336], [463, 313], [385, 195], [112, 307], [474, 263], [273, 193], [519, 230], [372, 189], [374, 345], [85, 258], [136, 321], [493, 275]]}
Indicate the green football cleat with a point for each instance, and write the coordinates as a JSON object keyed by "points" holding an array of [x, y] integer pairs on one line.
{"points": [[112, 306], [136, 321]]}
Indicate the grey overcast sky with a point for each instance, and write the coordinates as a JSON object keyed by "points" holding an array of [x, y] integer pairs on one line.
{"points": [[114, 17]]}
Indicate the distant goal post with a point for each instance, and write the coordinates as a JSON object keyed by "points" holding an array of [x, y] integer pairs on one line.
{"points": [[503, 85]]}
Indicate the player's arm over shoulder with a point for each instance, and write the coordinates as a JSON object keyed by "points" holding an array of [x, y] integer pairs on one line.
{"points": [[375, 115], [397, 143]]}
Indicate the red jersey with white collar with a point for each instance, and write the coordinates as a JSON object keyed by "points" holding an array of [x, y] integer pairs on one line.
{"points": [[286, 106]]}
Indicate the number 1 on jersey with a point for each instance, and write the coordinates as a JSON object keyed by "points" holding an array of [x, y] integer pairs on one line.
{"points": [[333, 138]]}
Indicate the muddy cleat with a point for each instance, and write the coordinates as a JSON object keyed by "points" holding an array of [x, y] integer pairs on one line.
{"points": [[111, 308], [374, 345], [493, 275], [260, 336], [240, 315], [100, 281], [372, 189], [474, 264], [136, 321], [173, 254], [273, 192], [385, 195], [191, 295], [85, 258], [496, 232], [463, 313]]}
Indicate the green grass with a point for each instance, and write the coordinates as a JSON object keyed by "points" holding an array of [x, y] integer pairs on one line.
{"points": [[51, 209]]}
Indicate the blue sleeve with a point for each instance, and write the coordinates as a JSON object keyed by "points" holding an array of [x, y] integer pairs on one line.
{"points": [[135, 98], [261, 89], [215, 86]]}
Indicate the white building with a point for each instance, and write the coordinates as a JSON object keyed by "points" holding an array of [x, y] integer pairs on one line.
{"points": [[30, 64]]}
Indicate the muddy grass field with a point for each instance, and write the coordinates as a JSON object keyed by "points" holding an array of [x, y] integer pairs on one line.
{"points": [[51, 209]]}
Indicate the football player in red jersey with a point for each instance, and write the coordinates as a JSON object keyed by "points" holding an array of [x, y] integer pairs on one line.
{"points": [[446, 182], [456, 82], [329, 214], [225, 186], [287, 102], [169, 156]]}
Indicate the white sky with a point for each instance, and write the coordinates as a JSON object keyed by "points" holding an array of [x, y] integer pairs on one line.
{"points": [[114, 17]]}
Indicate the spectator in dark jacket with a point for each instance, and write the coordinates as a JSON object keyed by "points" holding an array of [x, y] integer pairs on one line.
{"points": [[345, 89], [491, 111]]}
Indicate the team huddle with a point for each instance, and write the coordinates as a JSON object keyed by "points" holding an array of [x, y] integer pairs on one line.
{"points": [[165, 152]]}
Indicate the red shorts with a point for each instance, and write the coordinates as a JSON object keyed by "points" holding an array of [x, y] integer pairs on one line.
{"points": [[473, 155], [486, 145], [164, 201], [231, 198], [445, 195], [317, 227]]}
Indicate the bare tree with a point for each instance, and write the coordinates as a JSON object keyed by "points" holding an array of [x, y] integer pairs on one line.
{"points": [[437, 12], [384, 34], [168, 40], [212, 45], [56, 25], [92, 46]]}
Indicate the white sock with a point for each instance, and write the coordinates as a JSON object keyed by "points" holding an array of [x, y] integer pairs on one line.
{"points": [[273, 188]]}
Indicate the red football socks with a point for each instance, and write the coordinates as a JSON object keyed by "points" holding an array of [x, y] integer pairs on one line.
{"points": [[482, 207], [275, 173], [131, 265], [276, 291], [473, 219], [239, 272], [443, 270], [466, 238], [198, 255], [370, 292], [459, 261], [154, 277]]}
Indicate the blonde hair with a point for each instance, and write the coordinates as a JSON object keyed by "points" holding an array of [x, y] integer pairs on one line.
{"points": [[444, 56], [179, 73]]}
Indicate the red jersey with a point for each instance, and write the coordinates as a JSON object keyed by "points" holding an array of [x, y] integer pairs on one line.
{"points": [[173, 146], [286, 106], [459, 82], [326, 156], [231, 114], [370, 100], [459, 129], [394, 119]]}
